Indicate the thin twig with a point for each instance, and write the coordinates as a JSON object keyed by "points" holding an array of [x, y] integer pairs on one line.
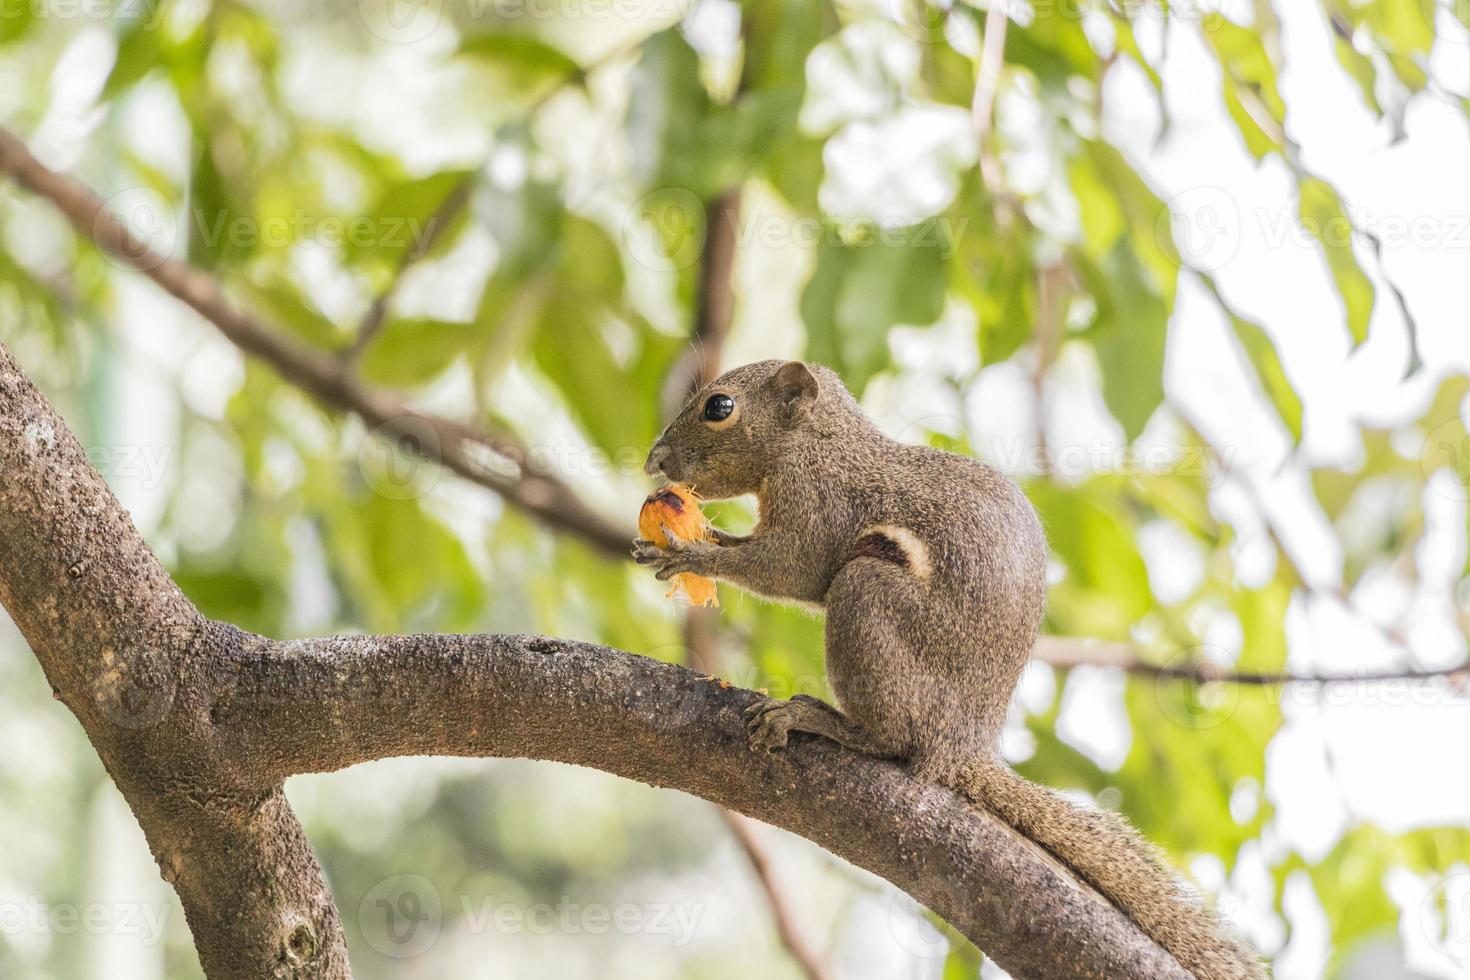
{"points": [[442, 219], [1045, 341], [987, 80], [1066, 653], [796, 941]]}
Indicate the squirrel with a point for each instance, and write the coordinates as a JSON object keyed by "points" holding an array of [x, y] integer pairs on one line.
{"points": [[931, 568]]}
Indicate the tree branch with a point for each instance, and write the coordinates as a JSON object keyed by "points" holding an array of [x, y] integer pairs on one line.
{"points": [[320, 705], [793, 936], [497, 462], [1065, 652], [199, 723], [438, 225]]}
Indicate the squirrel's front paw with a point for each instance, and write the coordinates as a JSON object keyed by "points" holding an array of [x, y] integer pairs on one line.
{"points": [[677, 558], [768, 724]]}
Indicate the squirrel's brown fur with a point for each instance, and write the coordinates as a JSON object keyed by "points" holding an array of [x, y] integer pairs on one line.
{"points": [[932, 571]]}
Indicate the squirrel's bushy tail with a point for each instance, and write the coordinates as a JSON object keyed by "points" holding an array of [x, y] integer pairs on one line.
{"points": [[1109, 855]]}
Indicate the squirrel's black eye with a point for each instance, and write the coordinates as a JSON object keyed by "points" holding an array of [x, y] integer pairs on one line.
{"points": [[718, 408]]}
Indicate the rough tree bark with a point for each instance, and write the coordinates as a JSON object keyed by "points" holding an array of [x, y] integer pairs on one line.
{"points": [[200, 723]]}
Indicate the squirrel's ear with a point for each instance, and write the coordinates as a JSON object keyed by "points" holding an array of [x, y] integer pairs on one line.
{"points": [[795, 384]]}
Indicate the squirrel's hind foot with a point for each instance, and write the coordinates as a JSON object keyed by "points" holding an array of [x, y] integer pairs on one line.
{"points": [[770, 723]]}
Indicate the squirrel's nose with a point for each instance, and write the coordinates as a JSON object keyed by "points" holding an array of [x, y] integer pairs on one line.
{"points": [[657, 457]]}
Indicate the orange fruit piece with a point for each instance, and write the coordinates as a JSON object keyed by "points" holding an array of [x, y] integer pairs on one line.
{"points": [[677, 508]]}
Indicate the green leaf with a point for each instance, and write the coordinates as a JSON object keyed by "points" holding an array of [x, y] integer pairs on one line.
{"points": [[670, 121], [1249, 84], [519, 53], [412, 352], [993, 271], [1407, 26], [1054, 48], [221, 230], [15, 20], [779, 35], [526, 225], [397, 564], [1128, 335], [1128, 44], [138, 52], [1260, 351], [518, 63], [406, 218], [1106, 590], [1360, 67], [859, 291], [1103, 221], [283, 303], [607, 364], [1325, 218]]}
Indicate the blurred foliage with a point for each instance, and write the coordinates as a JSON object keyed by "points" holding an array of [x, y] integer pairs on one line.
{"points": [[541, 270]]}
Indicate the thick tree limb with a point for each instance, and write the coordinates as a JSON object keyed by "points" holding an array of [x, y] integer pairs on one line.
{"points": [[199, 723], [133, 660]]}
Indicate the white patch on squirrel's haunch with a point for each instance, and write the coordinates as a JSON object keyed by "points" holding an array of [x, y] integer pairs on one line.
{"points": [[914, 549]]}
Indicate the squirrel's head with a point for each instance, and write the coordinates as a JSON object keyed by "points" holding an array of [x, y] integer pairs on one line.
{"points": [[726, 436]]}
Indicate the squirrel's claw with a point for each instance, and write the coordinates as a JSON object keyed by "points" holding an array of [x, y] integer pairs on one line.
{"points": [[648, 553], [768, 725]]}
